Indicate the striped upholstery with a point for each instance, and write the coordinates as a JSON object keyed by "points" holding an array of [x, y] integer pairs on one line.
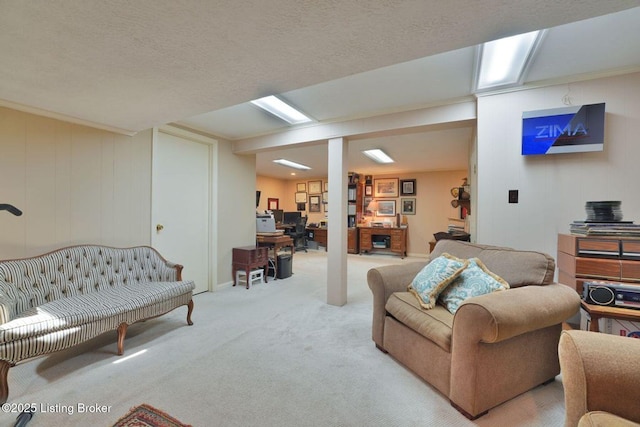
{"points": [[63, 298]]}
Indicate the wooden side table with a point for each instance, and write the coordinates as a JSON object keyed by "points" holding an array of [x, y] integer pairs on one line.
{"points": [[598, 311], [248, 258]]}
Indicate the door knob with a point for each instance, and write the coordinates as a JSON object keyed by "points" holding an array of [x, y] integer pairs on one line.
{"points": [[159, 227]]}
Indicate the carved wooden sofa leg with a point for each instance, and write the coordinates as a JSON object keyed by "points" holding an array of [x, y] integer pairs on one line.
{"points": [[122, 332], [190, 305], [4, 383]]}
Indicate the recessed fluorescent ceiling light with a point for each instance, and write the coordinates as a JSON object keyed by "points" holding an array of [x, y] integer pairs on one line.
{"points": [[503, 62], [280, 109], [378, 155], [289, 163]]}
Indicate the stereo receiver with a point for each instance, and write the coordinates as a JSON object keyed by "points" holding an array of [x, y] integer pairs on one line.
{"points": [[613, 294]]}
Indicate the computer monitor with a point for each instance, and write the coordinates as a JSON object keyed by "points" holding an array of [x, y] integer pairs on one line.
{"points": [[278, 215], [291, 217]]}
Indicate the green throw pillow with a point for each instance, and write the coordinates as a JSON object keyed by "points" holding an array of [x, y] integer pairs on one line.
{"points": [[475, 280], [434, 277]]}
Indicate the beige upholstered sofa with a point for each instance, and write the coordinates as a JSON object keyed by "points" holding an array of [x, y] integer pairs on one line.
{"points": [[601, 379], [496, 346], [68, 296]]}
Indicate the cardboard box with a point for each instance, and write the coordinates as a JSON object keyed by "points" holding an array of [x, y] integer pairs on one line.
{"points": [[623, 328]]}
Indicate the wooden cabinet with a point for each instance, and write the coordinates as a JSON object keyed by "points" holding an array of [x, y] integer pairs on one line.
{"points": [[383, 239], [319, 236], [582, 259], [352, 240], [248, 258]]}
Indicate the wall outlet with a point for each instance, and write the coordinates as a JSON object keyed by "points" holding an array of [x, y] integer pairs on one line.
{"points": [[513, 196]]}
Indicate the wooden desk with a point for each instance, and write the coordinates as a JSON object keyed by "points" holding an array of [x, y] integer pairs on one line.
{"points": [[397, 237], [248, 258], [275, 243], [319, 236], [598, 311]]}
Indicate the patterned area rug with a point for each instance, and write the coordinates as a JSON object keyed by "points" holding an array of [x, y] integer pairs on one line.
{"points": [[148, 416]]}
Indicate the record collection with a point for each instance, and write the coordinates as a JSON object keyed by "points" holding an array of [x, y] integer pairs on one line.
{"points": [[605, 219]]}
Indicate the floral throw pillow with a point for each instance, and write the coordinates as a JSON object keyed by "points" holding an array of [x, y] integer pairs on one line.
{"points": [[475, 280], [435, 277]]}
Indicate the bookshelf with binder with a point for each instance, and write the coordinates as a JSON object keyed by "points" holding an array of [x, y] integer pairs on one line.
{"points": [[354, 210]]}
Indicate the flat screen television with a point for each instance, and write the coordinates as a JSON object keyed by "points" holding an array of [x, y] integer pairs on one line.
{"points": [[573, 129]]}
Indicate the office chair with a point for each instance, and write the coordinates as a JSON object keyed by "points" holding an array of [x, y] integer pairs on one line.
{"points": [[299, 236]]}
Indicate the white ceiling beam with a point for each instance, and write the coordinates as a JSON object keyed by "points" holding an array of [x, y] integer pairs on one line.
{"points": [[458, 112]]}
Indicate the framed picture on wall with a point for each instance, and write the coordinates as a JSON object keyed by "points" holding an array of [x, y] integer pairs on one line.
{"points": [[314, 203], [301, 186], [407, 187], [386, 208], [301, 197], [368, 190], [408, 206], [273, 204], [366, 201], [385, 187], [315, 187]]}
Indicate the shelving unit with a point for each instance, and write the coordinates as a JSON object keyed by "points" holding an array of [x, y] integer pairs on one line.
{"points": [[354, 211], [582, 259]]}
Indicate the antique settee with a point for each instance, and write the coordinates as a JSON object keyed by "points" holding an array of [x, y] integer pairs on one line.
{"points": [[600, 377], [63, 298], [496, 346]]}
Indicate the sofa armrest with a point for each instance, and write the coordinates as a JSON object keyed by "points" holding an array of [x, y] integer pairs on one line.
{"points": [[6, 309], [502, 315], [599, 373], [383, 281], [178, 268]]}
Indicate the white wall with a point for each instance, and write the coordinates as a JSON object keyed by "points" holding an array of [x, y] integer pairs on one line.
{"points": [[74, 184], [554, 188], [236, 206]]}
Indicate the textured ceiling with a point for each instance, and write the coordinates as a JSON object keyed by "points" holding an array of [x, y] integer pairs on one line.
{"points": [[132, 65]]}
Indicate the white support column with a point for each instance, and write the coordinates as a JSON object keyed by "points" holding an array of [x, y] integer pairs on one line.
{"points": [[337, 231]]}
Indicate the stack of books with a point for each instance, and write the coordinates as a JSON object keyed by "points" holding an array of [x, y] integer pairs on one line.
{"points": [[613, 228], [455, 229]]}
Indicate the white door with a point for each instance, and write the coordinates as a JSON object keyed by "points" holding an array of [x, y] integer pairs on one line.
{"points": [[181, 206]]}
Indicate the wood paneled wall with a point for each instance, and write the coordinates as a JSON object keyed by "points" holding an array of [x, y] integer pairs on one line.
{"points": [[74, 185]]}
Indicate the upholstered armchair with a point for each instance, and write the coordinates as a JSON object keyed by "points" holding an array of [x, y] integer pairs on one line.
{"points": [[601, 379]]}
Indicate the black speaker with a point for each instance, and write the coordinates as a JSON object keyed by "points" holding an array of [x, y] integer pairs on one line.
{"points": [[598, 294]]}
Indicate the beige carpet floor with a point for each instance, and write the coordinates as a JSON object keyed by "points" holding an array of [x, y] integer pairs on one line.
{"points": [[273, 355]]}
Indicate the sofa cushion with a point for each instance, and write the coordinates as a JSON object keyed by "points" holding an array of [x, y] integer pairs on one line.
{"points": [[68, 312], [434, 277], [434, 324], [475, 280], [517, 267]]}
